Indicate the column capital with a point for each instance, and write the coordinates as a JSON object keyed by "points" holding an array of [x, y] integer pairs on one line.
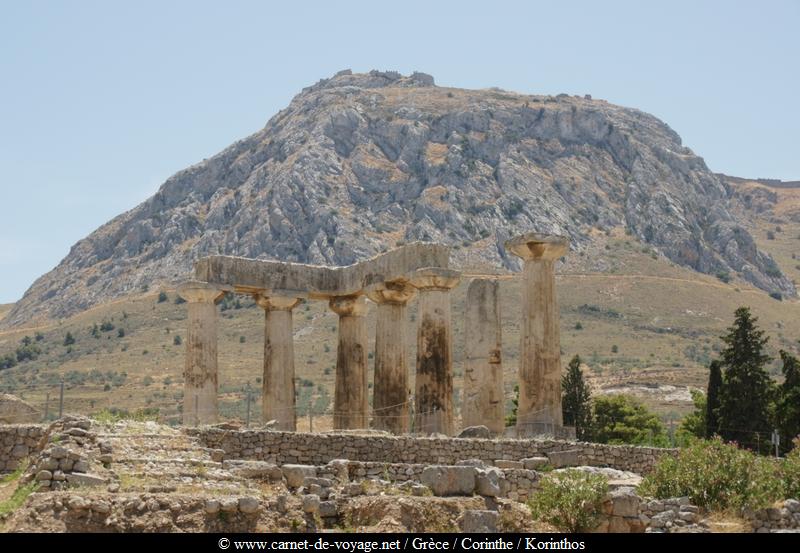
{"points": [[276, 303], [535, 246], [435, 278], [348, 306], [195, 291], [395, 293]]}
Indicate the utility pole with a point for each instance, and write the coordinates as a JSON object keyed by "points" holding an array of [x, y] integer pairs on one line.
{"points": [[776, 440], [61, 400], [247, 420], [46, 406]]}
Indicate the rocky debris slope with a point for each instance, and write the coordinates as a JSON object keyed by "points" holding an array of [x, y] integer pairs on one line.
{"points": [[360, 162]]}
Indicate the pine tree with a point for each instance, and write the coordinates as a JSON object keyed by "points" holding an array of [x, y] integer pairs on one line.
{"points": [[576, 401], [788, 404], [746, 387], [712, 398]]}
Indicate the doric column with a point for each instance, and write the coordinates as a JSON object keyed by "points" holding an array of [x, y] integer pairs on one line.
{"points": [[278, 380], [484, 396], [539, 408], [200, 372], [434, 379], [390, 389], [350, 404]]}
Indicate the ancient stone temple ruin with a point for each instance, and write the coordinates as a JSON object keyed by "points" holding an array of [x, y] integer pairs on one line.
{"points": [[391, 280]]}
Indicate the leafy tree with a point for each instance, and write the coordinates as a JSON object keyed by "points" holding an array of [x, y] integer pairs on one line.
{"points": [[69, 339], [694, 424], [746, 387], [576, 403], [621, 419], [788, 401], [712, 398]]}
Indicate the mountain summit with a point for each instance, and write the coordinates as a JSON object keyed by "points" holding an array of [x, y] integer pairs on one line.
{"points": [[359, 162]]}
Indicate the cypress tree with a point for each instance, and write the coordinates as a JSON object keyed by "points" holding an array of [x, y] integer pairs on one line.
{"points": [[788, 407], [746, 387], [576, 403], [712, 398]]}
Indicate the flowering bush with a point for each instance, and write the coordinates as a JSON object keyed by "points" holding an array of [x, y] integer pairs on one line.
{"points": [[717, 476], [570, 500]]}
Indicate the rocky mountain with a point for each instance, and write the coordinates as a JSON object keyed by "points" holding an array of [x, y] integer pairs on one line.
{"points": [[360, 162]]}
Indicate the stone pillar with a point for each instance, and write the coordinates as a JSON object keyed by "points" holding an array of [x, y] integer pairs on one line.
{"points": [[277, 384], [350, 404], [539, 408], [200, 371], [484, 396], [390, 390], [433, 399]]}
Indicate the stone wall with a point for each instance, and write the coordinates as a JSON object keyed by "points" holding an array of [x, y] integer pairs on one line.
{"points": [[18, 441], [318, 449], [785, 516]]}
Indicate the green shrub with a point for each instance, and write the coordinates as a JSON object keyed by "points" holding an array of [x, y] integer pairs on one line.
{"points": [[69, 339], [790, 472], [162, 297], [107, 326], [717, 476], [570, 500]]}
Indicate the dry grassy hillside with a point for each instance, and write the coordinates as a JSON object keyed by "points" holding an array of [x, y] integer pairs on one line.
{"points": [[663, 319]]}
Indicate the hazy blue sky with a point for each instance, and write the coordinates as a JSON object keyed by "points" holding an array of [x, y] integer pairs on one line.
{"points": [[101, 101]]}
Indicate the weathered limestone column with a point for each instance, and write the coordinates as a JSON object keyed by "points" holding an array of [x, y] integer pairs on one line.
{"points": [[434, 379], [350, 404], [484, 396], [200, 372], [278, 380], [540, 345], [390, 390]]}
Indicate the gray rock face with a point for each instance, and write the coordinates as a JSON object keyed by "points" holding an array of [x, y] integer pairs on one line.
{"points": [[446, 480], [420, 162]]}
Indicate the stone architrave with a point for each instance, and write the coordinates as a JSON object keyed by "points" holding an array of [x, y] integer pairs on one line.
{"points": [[390, 409], [200, 372], [350, 403], [483, 393], [539, 409], [433, 398], [278, 401]]}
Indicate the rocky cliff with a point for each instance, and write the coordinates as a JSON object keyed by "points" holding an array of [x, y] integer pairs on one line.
{"points": [[359, 162]]}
